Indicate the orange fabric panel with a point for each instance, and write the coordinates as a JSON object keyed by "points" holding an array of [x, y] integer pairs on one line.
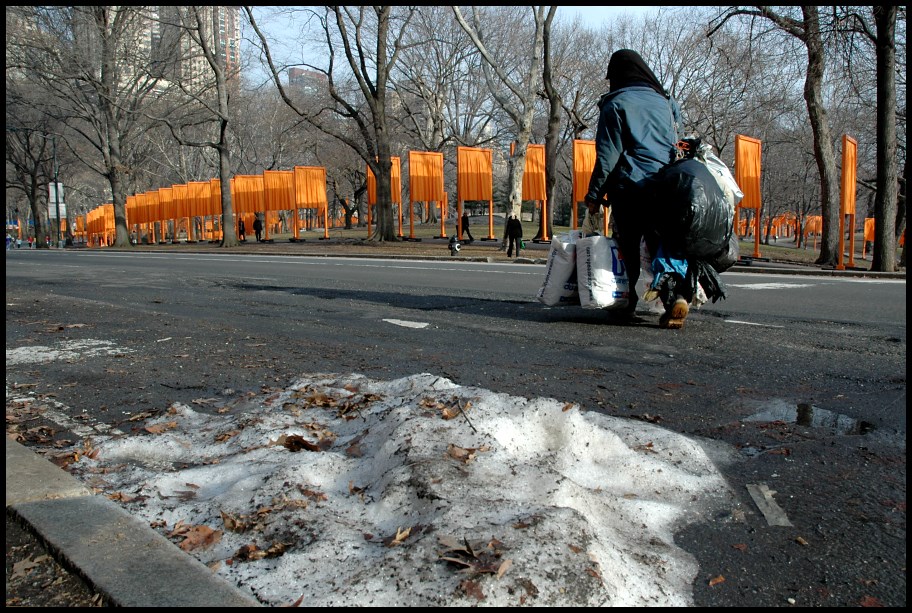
{"points": [[849, 167], [109, 225], [166, 198], [869, 229], [474, 174], [130, 211], [747, 170], [199, 192], [813, 223], [247, 193], [310, 187], [533, 187], [395, 182], [278, 190], [154, 206], [583, 165], [181, 197], [215, 197], [426, 176], [142, 209]]}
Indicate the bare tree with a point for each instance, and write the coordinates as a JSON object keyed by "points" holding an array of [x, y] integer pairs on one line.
{"points": [[203, 100], [89, 62], [355, 28], [885, 203], [514, 79], [807, 30]]}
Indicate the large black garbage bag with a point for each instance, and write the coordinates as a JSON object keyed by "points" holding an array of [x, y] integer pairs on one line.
{"points": [[694, 216]]}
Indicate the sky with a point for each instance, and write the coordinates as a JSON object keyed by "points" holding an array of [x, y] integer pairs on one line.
{"points": [[291, 46], [340, 490]]}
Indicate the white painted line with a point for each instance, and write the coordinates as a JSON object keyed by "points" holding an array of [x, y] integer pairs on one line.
{"points": [[770, 285], [750, 323], [407, 324]]}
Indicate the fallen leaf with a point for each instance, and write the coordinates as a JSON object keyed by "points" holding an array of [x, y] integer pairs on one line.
{"points": [[504, 567], [21, 569], [740, 547], [400, 537], [567, 407], [471, 588], [159, 428], [716, 580], [199, 537], [801, 541], [870, 601]]}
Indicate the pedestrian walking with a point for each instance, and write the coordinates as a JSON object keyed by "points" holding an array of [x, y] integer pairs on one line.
{"points": [[242, 230], [258, 229], [514, 235], [465, 226]]}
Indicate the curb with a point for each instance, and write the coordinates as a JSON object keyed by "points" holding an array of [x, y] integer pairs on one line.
{"points": [[118, 555]]}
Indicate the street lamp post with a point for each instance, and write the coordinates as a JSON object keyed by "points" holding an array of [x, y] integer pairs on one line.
{"points": [[56, 185]]}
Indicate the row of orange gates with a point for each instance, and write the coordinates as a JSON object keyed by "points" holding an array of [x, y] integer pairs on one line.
{"points": [[303, 191]]}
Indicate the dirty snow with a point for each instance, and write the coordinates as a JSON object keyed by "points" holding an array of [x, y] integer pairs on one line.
{"points": [[417, 492], [66, 350]]}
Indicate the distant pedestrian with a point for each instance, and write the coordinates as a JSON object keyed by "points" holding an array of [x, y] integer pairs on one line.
{"points": [[31, 240], [18, 243], [9, 241], [465, 226], [514, 235], [242, 230], [258, 229]]}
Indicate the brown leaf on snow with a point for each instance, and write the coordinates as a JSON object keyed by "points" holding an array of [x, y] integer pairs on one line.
{"points": [[465, 454], [200, 537], [568, 406], [401, 535], [480, 558], [471, 588], [159, 428], [504, 567], [224, 436], [716, 580], [313, 494], [235, 523], [296, 442], [121, 497], [647, 448]]}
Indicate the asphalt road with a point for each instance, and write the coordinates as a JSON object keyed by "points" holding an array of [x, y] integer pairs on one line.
{"points": [[803, 375]]}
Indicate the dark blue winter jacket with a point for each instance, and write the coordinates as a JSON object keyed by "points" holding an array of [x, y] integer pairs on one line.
{"points": [[636, 136]]}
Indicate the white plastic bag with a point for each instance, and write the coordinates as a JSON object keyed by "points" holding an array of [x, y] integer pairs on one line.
{"points": [[601, 274], [559, 286], [722, 174]]}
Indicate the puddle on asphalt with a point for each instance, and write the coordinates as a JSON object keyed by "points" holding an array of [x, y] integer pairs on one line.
{"points": [[808, 415]]}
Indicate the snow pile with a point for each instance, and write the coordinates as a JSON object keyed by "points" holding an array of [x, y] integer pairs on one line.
{"points": [[346, 491]]}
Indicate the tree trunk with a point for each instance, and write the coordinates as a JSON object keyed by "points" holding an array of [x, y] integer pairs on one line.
{"points": [[883, 257], [824, 152]]}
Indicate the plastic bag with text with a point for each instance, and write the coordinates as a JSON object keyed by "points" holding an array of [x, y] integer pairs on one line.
{"points": [[601, 274], [559, 287]]}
